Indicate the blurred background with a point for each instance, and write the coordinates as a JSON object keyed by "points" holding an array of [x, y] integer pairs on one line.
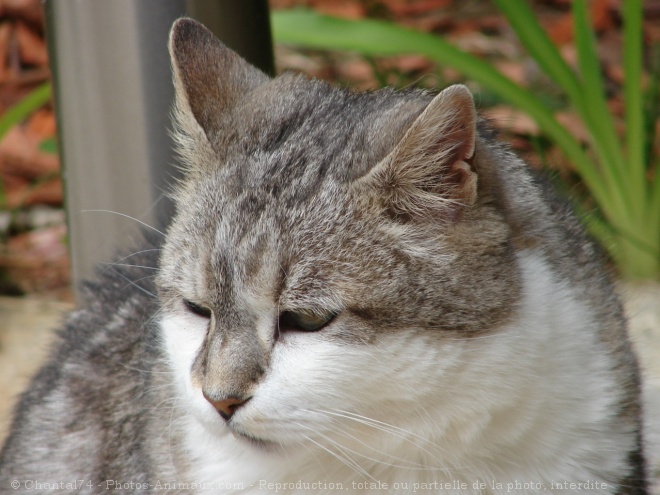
{"points": [[572, 85]]}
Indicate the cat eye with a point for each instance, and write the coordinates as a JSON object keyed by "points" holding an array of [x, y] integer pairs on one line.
{"points": [[197, 309], [305, 321]]}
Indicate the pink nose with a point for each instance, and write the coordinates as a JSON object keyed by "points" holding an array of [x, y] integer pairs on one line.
{"points": [[226, 407]]}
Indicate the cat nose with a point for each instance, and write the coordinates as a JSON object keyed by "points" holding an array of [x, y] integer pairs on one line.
{"points": [[226, 407]]}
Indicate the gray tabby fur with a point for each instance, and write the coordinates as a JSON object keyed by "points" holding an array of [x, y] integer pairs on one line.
{"points": [[393, 209]]}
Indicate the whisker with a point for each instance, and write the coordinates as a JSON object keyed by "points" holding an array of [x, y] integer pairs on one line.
{"points": [[401, 433], [165, 401], [125, 216], [138, 252], [350, 463], [170, 439], [344, 451], [153, 317], [311, 451], [109, 265], [415, 465], [131, 266], [132, 282], [374, 422]]}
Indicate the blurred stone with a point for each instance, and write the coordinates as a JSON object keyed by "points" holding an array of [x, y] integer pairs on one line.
{"points": [[37, 260], [34, 218]]}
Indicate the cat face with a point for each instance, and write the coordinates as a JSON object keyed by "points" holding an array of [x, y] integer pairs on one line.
{"points": [[323, 275]]}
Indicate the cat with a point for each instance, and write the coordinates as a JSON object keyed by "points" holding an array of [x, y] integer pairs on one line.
{"points": [[358, 292]]}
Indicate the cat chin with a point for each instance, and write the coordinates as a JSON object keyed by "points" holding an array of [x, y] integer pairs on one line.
{"points": [[260, 444]]}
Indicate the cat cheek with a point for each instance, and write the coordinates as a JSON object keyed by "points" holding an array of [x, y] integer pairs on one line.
{"points": [[284, 389], [183, 336]]}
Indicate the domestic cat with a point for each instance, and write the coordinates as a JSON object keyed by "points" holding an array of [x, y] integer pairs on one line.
{"points": [[358, 293]]}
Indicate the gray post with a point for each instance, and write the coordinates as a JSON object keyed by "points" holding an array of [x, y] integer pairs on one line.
{"points": [[113, 94]]}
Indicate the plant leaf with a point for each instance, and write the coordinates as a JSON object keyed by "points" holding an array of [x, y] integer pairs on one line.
{"points": [[21, 110], [539, 45], [632, 83], [49, 145], [597, 115]]}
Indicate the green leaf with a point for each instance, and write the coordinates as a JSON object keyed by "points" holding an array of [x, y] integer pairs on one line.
{"points": [[49, 146], [539, 45], [16, 114], [21, 110], [652, 104], [632, 88], [597, 115]]}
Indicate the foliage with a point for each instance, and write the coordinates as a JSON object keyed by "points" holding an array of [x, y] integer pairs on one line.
{"points": [[18, 112], [622, 173]]}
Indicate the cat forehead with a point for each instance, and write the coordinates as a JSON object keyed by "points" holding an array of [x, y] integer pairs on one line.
{"points": [[292, 144], [243, 230], [304, 98], [293, 123], [290, 151]]}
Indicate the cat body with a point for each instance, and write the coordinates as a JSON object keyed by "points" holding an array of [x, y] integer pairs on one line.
{"points": [[360, 293]]}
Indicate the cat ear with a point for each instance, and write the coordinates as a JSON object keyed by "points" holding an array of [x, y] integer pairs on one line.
{"points": [[209, 78], [430, 170]]}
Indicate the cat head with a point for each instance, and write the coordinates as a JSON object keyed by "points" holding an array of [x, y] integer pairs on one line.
{"points": [[333, 254]]}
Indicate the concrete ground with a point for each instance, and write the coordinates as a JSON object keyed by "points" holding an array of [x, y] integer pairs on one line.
{"points": [[25, 334]]}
